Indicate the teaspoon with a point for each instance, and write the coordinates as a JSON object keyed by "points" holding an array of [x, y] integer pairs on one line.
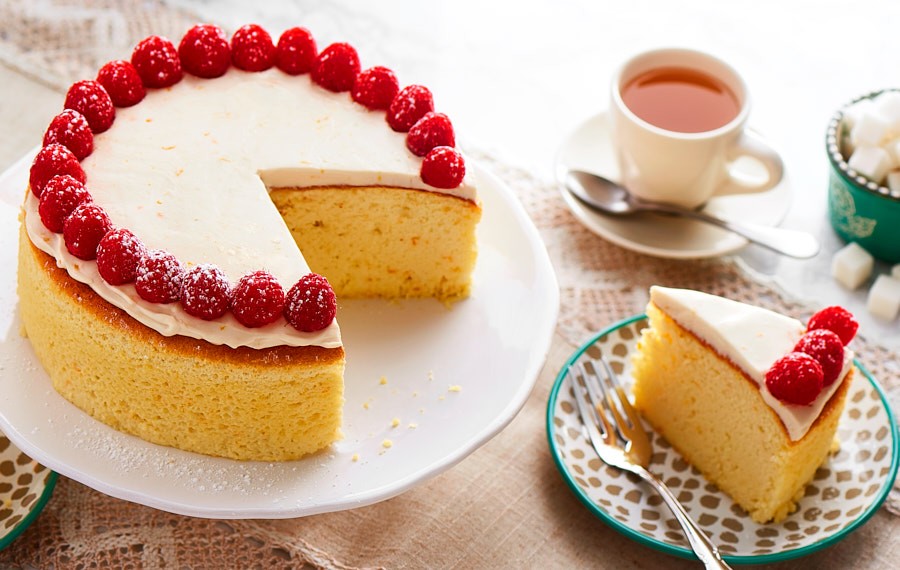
{"points": [[608, 197]]}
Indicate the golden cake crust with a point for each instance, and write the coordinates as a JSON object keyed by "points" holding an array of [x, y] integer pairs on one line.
{"points": [[278, 403]]}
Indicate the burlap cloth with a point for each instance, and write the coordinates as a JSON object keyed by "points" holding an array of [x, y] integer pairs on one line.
{"points": [[505, 505]]}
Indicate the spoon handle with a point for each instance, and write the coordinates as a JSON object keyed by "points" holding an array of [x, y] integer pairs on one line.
{"points": [[793, 243]]}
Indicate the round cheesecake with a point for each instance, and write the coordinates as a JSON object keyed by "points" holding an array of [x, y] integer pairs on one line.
{"points": [[247, 172]]}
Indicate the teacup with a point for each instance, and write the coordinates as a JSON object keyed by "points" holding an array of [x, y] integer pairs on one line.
{"points": [[678, 121]]}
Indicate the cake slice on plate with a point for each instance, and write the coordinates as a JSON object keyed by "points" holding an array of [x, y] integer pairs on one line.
{"points": [[749, 397]]}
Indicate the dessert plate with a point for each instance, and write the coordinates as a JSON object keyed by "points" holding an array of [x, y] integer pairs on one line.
{"points": [[844, 493], [425, 386], [589, 148], [25, 487]]}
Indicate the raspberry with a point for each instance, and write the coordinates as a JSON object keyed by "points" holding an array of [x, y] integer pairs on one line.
{"points": [[826, 347], [443, 167], [71, 130], [51, 160], [795, 378], [375, 88], [204, 51], [257, 299], [252, 48], [60, 197], [84, 228], [122, 82], [156, 61], [310, 304], [336, 67], [205, 292], [432, 130], [118, 254], [158, 277], [296, 51], [91, 100], [836, 319], [408, 106]]}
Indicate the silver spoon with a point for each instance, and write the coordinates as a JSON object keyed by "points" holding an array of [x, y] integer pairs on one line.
{"points": [[608, 197]]}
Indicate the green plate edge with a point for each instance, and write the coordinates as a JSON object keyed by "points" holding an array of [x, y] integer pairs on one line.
{"points": [[36, 509], [685, 552]]}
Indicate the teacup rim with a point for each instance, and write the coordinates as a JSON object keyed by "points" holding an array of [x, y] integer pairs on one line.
{"points": [[734, 125]]}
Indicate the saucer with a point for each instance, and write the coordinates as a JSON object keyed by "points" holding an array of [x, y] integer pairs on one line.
{"points": [[589, 148]]}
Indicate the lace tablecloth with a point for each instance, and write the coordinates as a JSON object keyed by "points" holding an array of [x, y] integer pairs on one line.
{"points": [[505, 505]]}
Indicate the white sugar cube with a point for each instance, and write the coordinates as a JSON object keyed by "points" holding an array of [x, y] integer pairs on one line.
{"points": [[871, 161], [895, 271], [893, 181], [888, 106], [884, 298], [855, 111], [852, 265], [869, 129]]}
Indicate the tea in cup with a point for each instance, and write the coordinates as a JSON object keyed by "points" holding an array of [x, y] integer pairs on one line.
{"points": [[677, 121]]}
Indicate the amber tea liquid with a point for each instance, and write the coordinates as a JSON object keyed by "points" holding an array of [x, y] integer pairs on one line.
{"points": [[680, 99]]}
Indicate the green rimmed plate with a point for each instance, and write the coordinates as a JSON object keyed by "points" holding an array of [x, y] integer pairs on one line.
{"points": [[844, 493], [25, 487]]}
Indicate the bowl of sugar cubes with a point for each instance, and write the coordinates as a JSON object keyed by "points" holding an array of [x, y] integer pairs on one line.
{"points": [[863, 144]]}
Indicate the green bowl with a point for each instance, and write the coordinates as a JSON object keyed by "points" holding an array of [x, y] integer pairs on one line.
{"points": [[860, 210]]}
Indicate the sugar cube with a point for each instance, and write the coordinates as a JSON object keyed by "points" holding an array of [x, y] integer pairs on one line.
{"points": [[888, 106], [884, 298], [893, 181], [869, 129], [852, 265], [873, 162], [853, 112]]}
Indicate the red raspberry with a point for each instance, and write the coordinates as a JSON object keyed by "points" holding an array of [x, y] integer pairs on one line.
{"points": [[310, 304], [836, 319], [51, 160], [204, 51], [205, 292], [375, 88], [827, 349], [71, 130], [252, 49], [118, 254], [795, 378], [84, 228], [408, 106], [443, 167], [432, 130], [257, 299], [296, 51], [91, 100], [158, 277], [156, 61], [122, 82], [336, 67], [60, 197]]}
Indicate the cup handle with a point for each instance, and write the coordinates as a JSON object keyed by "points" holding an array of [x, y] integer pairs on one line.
{"points": [[752, 145]]}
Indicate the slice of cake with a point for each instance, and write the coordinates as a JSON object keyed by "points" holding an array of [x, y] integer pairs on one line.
{"points": [[183, 211], [747, 396]]}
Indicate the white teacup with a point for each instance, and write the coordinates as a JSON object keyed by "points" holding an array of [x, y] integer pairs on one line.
{"points": [[668, 163]]}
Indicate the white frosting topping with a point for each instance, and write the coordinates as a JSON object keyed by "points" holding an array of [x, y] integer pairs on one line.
{"points": [[752, 338], [187, 171]]}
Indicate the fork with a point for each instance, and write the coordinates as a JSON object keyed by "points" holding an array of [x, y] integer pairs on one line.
{"points": [[608, 399]]}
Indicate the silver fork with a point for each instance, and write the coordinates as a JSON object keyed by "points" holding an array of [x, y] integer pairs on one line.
{"points": [[624, 444]]}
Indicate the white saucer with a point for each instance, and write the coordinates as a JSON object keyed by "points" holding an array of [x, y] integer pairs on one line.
{"points": [[589, 148]]}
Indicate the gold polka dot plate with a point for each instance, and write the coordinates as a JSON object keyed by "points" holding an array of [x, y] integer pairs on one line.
{"points": [[847, 490], [25, 487]]}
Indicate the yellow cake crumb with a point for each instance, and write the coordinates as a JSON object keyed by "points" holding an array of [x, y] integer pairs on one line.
{"points": [[413, 426], [387, 443], [355, 457], [383, 380], [454, 388], [395, 422]]}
